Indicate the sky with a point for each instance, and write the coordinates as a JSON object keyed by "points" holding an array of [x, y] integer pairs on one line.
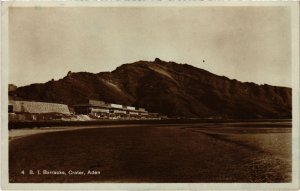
{"points": [[250, 44]]}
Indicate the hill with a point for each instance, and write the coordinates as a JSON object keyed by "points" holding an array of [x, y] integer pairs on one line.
{"points": [[169, 88]]}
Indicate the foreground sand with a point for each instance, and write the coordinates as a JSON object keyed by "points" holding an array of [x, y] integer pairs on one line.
{"points": [[239, 152]]}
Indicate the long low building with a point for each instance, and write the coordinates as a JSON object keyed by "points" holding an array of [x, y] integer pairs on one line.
{"points": [[30, 110], [101, 109], [37, 107], [94, 109]]}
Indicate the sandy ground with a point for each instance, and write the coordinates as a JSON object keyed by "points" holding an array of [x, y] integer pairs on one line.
{"points": [[154, 153], [18, 133]]}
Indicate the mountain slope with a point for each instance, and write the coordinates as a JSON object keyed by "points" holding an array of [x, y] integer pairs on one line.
{"points": [[168, 88]]}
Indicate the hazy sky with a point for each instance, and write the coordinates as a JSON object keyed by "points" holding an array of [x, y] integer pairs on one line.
{"points": [[245, 43]]}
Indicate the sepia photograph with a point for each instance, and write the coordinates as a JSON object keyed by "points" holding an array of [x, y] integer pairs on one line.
{"points": [[151, 94]]}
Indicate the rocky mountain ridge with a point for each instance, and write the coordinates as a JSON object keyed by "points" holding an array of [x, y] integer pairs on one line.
{"points": [[177, 90]]}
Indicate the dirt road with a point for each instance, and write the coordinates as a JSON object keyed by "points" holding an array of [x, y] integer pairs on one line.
{"points": [[184, 153]]}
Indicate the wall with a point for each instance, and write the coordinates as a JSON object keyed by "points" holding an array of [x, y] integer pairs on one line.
{"points": [[38, 107]]}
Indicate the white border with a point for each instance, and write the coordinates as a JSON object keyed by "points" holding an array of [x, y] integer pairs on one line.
{"points": [[149, 186]]}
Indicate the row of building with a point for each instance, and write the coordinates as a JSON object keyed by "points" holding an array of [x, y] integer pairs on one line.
{"points": [[94, 109]]}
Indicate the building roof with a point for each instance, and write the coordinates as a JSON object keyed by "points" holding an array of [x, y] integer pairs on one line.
{"points": [[110, 106]]}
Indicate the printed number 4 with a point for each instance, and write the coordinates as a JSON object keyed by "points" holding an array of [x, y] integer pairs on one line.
{"points": [[22, 172]]}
